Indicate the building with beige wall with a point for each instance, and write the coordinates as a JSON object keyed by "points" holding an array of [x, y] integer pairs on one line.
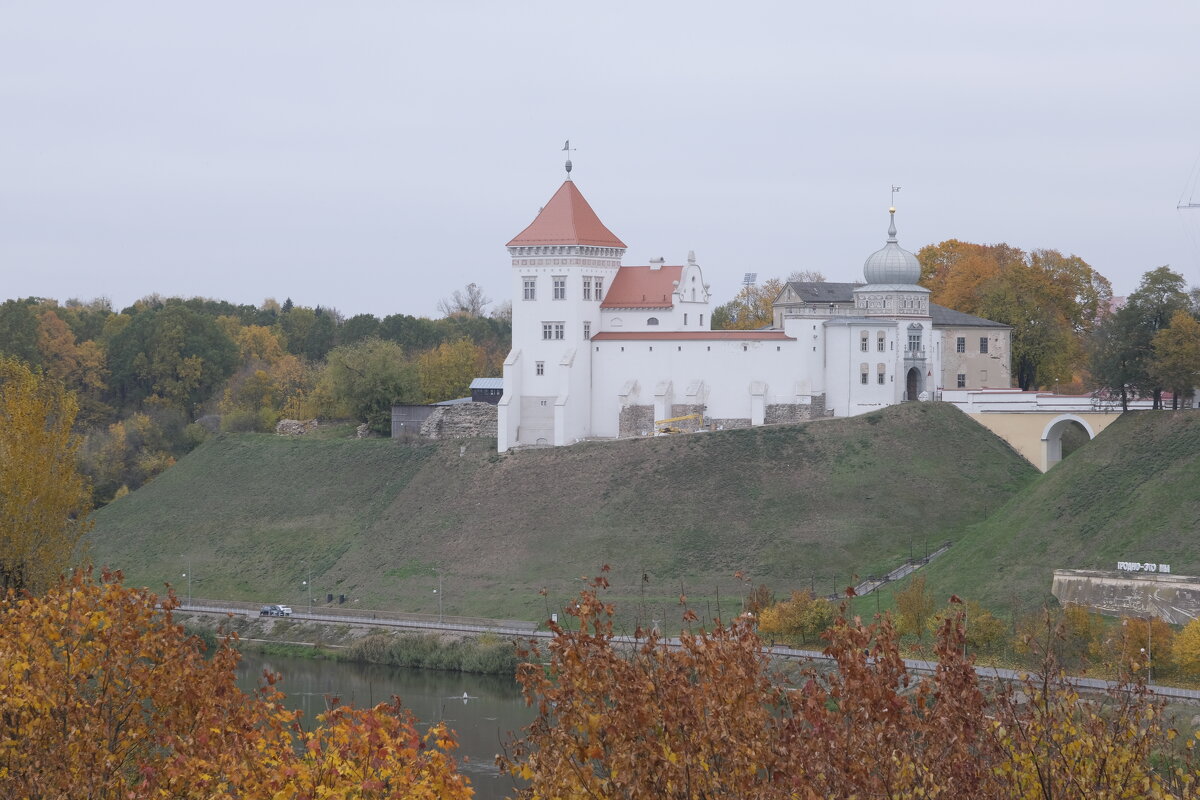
{"points": [[974, 353]]}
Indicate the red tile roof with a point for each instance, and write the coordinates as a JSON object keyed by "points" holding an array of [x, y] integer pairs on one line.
{"points": [[642, 287], [567, 219], [658, 336]]}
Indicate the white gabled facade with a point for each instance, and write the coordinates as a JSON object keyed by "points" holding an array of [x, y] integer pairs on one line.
{"points": [[602, 350]]}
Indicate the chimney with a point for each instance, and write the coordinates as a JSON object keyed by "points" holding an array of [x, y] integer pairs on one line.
{"points": [[657, 263]]}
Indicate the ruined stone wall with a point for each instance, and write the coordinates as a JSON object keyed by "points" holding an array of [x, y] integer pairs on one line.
{"points": [[636, 421], [683, 410], [719, 424], [784, 413], [462, 421]]}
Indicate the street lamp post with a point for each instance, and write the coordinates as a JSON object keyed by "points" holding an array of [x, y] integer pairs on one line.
{"points": [[438, 592]]}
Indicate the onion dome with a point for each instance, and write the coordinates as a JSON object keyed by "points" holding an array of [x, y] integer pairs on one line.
{"points": [[893, 264]]}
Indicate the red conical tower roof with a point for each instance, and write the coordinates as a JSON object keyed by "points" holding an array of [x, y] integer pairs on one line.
{"points": [[567, 219]]}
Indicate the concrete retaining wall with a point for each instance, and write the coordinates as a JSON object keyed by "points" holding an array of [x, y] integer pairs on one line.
{"points": [[1173, 598]]}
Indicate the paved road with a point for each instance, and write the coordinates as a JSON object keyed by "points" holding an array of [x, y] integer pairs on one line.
{"points": [[528, 630]]}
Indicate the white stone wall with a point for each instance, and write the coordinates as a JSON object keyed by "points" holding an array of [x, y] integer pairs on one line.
{"points": [[732, 379]]}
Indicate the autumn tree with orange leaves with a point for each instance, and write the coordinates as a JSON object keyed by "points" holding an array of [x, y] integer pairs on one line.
{"points": [[704, 717], [103, 696]]}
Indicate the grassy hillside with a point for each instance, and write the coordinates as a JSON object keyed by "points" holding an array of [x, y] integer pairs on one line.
{"points": [[255, 515], [1133, 494]]}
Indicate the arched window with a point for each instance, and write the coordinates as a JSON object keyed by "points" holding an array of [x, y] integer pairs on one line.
{"points": [[652, 321]]}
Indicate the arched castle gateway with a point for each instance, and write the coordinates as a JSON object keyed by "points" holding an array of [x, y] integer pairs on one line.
{"points": [[603, 350]]}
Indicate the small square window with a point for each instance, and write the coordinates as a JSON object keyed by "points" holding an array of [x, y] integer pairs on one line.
{"points": [[962, 380], [540, 367]]}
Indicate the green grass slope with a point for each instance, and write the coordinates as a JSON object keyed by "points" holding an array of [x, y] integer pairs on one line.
{"points": [[1132, 494], [255, 515]]}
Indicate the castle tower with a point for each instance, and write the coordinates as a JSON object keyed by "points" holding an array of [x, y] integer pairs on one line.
{"points": [[892, 291], [562, 264]]}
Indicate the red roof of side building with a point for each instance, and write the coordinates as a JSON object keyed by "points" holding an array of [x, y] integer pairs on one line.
{"points": [[567, 219], [683, 336], [642, 287]]}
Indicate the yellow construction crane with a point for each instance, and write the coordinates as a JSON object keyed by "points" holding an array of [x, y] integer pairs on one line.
{"points": [[666, 427]]}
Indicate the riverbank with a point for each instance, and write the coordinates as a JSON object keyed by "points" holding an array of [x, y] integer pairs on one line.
{"points": [[487, 653]]}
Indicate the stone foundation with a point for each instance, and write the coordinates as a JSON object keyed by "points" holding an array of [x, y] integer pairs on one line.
{"points": [[635, 421], [785, 413], [718, 424], [461, 421], [683, 410]]}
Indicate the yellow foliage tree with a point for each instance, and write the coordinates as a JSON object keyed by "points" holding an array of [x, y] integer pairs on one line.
{"points": [[1187, 648], [44, 501], [802, 616], [446, 371], [106, 698], [914, 604]]}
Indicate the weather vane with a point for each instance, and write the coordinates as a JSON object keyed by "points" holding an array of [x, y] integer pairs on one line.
{"points": [[567, 149], [894, 190]]}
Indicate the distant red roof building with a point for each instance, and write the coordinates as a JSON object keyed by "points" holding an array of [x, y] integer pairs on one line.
{"points": [[567, 219], [643, 287]]}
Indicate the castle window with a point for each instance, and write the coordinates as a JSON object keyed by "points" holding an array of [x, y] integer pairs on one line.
{"points": [[685, 319], [560, 288], [879, 339], [863, 376], [547, 330], [962, 380], [863, 343], [560, 330], [540, 367], [701, 320], [961, 344], [587, 288], [652, 321], [983, 344], [599, 289], [587, 329], [914, 342], [881, 381], [530, 288]]}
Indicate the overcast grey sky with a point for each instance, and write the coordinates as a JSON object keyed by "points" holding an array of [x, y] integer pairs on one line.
{"points": [[375, 156]]}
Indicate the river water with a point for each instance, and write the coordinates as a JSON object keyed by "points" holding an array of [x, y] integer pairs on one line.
{"points": [[483, 723]]}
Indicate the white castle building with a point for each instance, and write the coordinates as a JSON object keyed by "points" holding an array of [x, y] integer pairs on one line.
{"points": [[601, 350]]}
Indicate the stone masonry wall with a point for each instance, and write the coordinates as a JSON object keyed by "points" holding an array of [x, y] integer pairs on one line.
{"points": [[795, 412], [718, 424], [682, 410], [462, 421], [636, 421]]}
